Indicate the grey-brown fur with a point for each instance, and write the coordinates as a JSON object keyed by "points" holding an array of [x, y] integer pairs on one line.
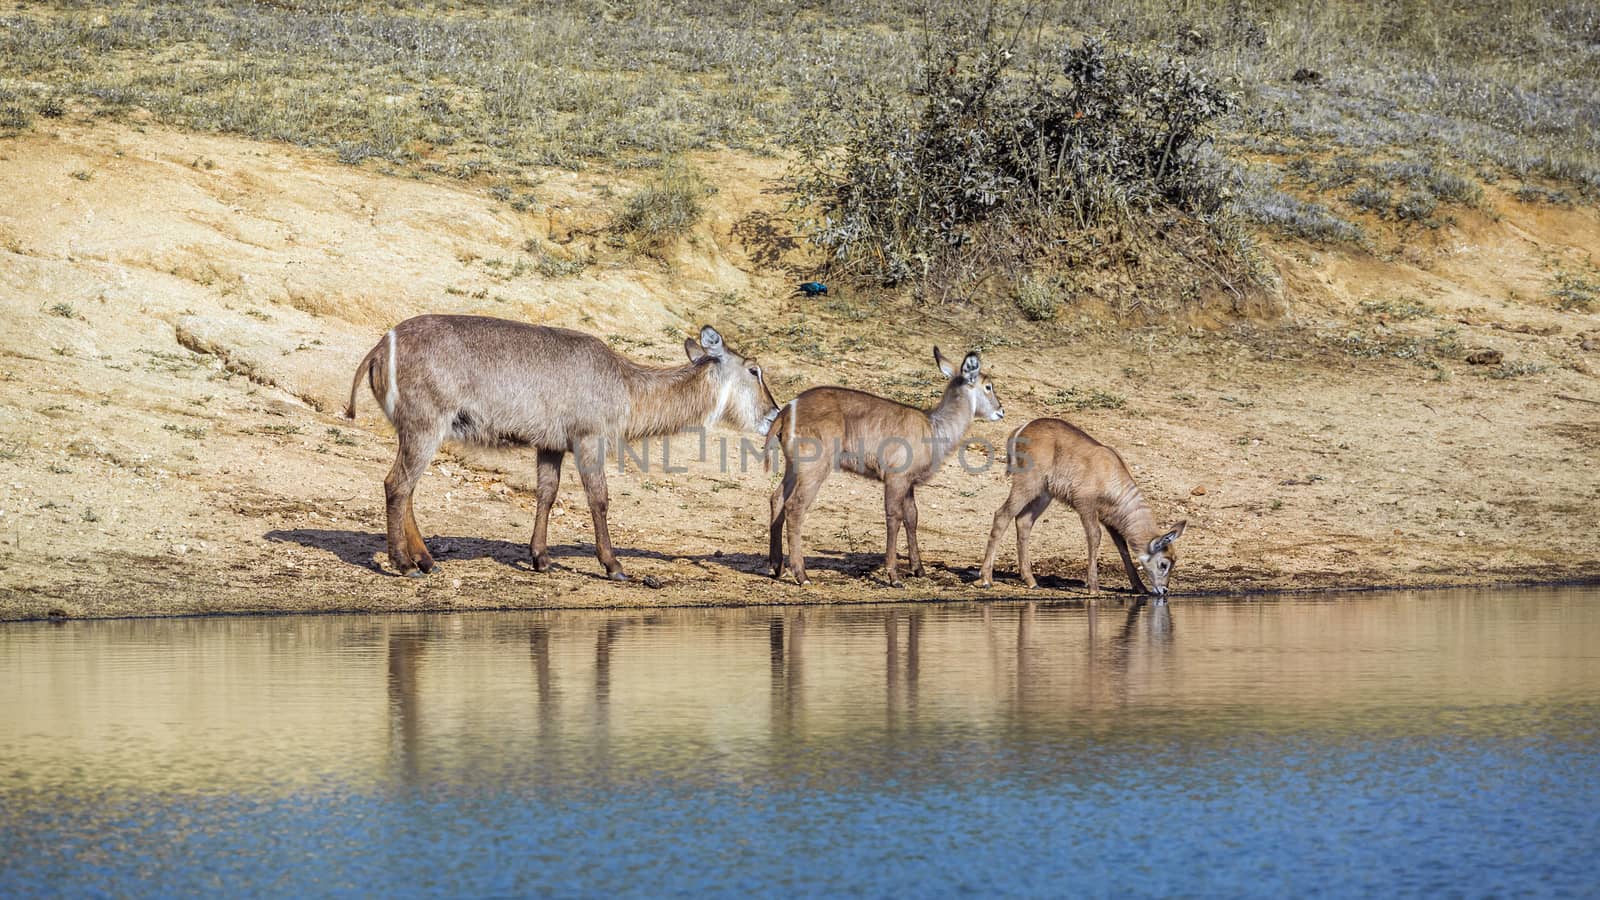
{"points": [[902, 446], [494, 382], [1049, 459]]}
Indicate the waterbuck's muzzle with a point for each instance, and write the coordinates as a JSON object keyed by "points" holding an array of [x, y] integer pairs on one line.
{"points": [[767, 420]]}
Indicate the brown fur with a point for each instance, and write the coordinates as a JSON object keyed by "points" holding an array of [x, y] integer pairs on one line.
{"points": [[493, 382], [902, 446], [1049, 459]]}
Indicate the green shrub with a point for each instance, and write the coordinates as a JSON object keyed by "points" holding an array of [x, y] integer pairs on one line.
{"points": [[989, 158]]}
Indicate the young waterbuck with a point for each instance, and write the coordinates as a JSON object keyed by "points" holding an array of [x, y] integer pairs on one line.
{"points": [[902, 446], [493, 382], [1049, 459]]}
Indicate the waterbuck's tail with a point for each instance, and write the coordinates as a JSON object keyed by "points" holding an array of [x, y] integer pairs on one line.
{"points": [[783, 423], [1012, 463], [387, 394]]}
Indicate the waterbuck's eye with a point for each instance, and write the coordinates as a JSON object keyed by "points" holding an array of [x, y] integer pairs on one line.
{"points": [[989, 388], [756, 371]]}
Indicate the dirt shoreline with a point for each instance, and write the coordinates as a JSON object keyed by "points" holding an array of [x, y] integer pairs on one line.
{"points": [[183, 334], [1078, 597]]}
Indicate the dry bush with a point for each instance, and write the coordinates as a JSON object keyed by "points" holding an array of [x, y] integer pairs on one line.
{"points": [[993, 167], [664, 209]]}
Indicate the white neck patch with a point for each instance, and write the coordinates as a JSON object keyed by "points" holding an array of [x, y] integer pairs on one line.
{"points": [[724, 394]]}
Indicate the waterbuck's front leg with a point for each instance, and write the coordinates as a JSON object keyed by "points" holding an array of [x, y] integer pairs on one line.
{"points": [[1025, 519], [1003, 517], [1127, 561], [909, 513], [1091, 534], [549, 485], [592, 472], [894, 504]]}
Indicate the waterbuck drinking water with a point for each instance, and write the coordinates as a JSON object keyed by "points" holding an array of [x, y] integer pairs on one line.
{"points": [[1049, 459], [492, 382], [902, 446]]}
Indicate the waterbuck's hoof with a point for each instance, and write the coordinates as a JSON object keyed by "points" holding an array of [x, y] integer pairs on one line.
{"points": [[414, 573], [919, 572], [985, 583], [801, 580], [618, 575], [541, 564], [897, 583], [427, 565]]}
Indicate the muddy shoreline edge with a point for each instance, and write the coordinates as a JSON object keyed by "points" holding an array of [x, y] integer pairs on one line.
{"points": [[8, 601]]}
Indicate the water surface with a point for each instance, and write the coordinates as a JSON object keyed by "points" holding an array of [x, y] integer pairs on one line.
{"points": [[1407, 742]]}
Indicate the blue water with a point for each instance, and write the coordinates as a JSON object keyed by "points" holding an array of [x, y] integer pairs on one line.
{"points": [[1379, 744]]}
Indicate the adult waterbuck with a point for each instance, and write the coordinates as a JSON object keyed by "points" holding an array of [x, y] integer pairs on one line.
{"points": [[493, 382], [902, 446], [1049, 459]]}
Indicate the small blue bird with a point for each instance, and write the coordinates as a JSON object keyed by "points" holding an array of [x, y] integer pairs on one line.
{"points": [[813, 288]]}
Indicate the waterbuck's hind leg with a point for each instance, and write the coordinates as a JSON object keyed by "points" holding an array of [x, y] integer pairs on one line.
{"points": [[407, 551], [1030, 513], [794, 514], [1127, 561], [592, 472], [549, 485], [780, 498]]}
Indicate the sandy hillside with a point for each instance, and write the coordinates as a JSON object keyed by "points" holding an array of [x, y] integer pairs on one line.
{"points": [[183, 316]]}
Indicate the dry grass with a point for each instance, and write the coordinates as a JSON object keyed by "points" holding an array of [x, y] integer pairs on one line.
{"points": [[461, 89], [1399, 112]]}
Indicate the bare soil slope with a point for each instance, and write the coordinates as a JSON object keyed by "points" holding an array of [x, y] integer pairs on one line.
{"points": [[183, 316]]}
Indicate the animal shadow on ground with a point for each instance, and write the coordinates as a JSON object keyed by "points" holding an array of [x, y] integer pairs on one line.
{"points": [[368, 550]]}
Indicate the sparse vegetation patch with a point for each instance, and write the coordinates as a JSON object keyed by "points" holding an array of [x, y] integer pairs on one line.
{"points": [[664, 209], [1037, 299], [1086, 398]]}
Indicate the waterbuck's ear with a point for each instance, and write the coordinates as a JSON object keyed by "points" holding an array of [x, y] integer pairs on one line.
{"points": [[712, 342], [1165, 541], [942, 363], [692, 348], [969, 367]]}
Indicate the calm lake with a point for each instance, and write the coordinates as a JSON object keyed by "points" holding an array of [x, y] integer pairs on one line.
{"points": [[1409, 743]]}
